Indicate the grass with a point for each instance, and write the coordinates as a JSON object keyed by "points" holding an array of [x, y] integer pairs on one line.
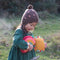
{"points": [[48, 26], [49, 30]]}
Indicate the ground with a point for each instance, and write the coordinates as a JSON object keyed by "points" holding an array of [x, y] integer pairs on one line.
{"points": [[48, 28]]}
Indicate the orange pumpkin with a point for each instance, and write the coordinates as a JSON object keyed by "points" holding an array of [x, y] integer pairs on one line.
{"points": [[39, 45]]}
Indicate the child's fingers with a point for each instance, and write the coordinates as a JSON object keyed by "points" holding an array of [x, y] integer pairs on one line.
{"points": [[31, 47]]}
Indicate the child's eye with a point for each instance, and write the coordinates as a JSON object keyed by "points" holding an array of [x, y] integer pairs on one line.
{"points": [[31, 25]]}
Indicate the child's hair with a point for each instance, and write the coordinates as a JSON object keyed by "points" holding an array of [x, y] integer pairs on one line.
{"points": [[29, 16]]}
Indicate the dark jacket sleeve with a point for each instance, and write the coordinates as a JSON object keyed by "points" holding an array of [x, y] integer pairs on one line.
{"points": [[18, 40]]}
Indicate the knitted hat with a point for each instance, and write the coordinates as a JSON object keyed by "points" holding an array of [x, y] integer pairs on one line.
{"points": [[29, 16]]}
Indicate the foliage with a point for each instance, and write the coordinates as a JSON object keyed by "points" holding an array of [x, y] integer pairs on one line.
{"points": [[49, 6], [45, 14], [15, 7], [11, 8]]}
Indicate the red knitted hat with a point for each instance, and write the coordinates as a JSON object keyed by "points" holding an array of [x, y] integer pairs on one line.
{"points": [[29, 16]]}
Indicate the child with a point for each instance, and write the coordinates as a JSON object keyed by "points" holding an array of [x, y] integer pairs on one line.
{"points": [[28, 22]]}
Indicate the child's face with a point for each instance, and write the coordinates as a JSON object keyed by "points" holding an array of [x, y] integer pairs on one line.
{"points": [[30, 26]]}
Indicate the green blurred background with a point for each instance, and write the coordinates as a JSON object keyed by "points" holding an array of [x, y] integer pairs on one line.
{"points": [[48, 26]]}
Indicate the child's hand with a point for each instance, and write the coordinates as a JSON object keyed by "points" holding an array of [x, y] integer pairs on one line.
{"points": [[30, 47]]}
